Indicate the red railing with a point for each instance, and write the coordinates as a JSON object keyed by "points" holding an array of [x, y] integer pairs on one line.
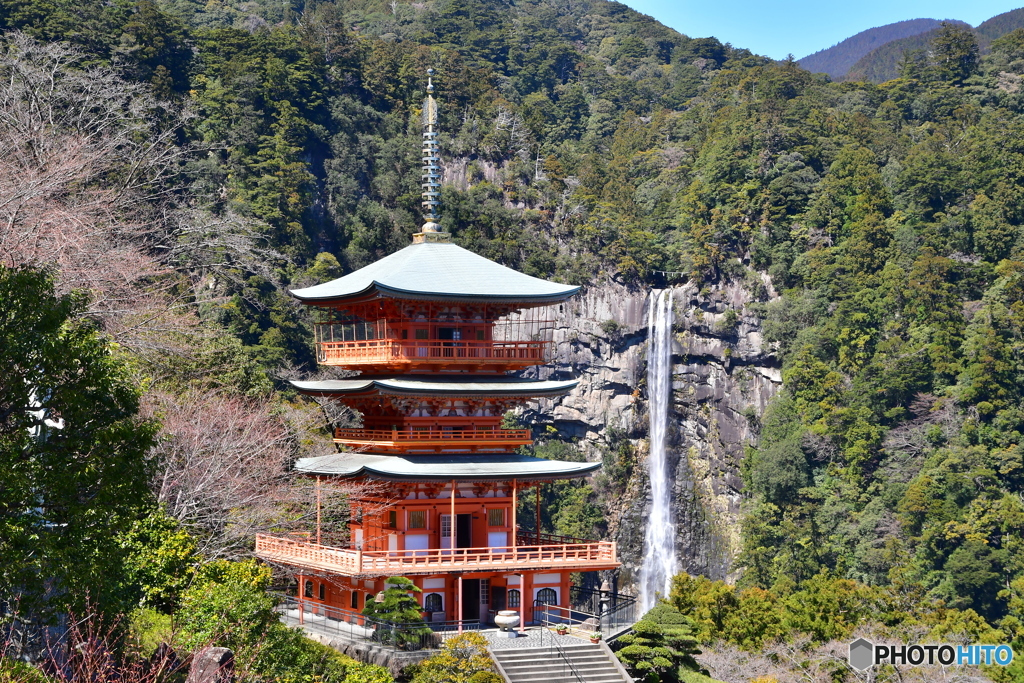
{"points": [[398, 435], [430, 351], [579, 556], [303, 553], [433, 439]]}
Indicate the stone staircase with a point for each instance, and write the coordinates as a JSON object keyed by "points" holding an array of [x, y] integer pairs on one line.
{"points": [[592, 663]]}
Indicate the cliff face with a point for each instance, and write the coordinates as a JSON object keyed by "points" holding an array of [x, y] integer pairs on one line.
{"points": [[723, 377]]}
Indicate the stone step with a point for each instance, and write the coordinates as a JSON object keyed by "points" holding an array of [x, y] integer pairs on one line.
{"points": [[599, 657], [545, 665], [566, 677], [541, 665], [603, 674], [544, 651]]}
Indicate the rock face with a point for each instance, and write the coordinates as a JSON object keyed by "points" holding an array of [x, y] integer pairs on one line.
{"points": [[212, 665], [723, 376]]}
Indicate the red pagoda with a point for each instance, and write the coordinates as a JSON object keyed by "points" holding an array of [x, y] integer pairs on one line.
{"points": [[435, 331]]}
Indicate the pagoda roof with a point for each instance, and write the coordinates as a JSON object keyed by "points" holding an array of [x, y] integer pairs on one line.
{"points": [[437, 271], [475, 467], [500, 386]]}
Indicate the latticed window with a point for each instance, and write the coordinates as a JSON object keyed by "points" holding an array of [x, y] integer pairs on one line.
{"points": [[513, 598], [354, 602], [322, 590], [307, 590], [446, 526], [547, 596], [485, 591], [392, 519], [496, 517], [432, 603], [417, 519]]}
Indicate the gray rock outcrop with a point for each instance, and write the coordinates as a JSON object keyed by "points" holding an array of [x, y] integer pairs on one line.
{"points": [[723, 377], [212, 665]]}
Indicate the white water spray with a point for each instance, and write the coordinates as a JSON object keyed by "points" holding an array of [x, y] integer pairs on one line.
{"points": [[659, 538]]}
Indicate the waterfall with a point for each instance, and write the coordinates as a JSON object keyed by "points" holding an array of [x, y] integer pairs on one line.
{"points": [[659, 538]]}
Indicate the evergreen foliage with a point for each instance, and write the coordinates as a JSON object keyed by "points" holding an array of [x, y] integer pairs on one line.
{"points": [[400, 608], [162, 560], [73, 473], [398, 605], [228, 606], [660, 647]]}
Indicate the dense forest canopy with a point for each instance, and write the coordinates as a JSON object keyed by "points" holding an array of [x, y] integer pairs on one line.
{"points": [[582, 142]]}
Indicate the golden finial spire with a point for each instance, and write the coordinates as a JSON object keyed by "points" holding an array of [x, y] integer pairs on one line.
{"points": [[431, 231]]}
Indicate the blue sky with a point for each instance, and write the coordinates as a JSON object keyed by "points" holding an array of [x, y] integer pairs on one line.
{"points": [[779, 27]]}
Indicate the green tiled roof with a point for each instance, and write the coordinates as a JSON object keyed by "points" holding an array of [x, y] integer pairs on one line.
{"points": [[475, 467], [434, 386], [438, 271]]}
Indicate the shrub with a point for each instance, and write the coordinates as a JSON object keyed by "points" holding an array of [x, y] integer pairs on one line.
{"points": [[462, 659]]}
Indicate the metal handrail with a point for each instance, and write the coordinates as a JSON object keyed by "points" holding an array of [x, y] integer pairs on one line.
{"points": [[615, 611], [558, 646], [613, 615], [357, 626], [529, 537]]}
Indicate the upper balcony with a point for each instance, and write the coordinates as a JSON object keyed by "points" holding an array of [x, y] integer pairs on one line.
{"points": [[455, 338], [587, 556], [381, 356], [433, 440]]}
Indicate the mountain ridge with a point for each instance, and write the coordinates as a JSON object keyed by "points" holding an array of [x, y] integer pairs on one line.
{"points": [[838, 59], [874, 55]]}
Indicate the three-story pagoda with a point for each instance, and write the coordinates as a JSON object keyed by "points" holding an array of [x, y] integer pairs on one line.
{"points": [[434, 331]]}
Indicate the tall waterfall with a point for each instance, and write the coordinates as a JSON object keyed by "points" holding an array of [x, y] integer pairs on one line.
{"points": [[659, 539]]}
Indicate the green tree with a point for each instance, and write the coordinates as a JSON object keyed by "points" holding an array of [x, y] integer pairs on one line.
{"points": [[398, 607], [956, 52], [660, 647], [161, 559], [73, 469], [228, 605]]}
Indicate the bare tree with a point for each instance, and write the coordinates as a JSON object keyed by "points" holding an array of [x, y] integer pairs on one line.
{"points": [[224, 470], [799, 660], [222, 466], [88, 164]]}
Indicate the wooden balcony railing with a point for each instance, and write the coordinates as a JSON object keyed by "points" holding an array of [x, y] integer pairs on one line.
{"points": [[575, 556], [432, 352], [433, 440]]}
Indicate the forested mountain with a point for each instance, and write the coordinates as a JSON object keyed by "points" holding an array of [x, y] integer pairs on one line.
{"points": [[209, 156], [837, 60], [885, 62], [999, 26], [877, 55]]}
